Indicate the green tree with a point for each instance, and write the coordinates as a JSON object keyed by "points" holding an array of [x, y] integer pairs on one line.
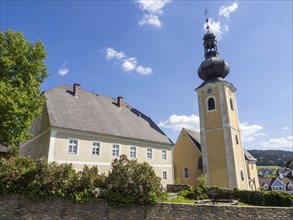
{"points": [[130, 182], [22, 71]]}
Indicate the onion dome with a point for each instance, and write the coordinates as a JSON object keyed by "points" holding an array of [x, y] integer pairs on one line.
{"points": [[213, 66]]}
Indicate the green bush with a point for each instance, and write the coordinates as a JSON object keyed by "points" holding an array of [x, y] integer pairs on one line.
{"points": [[52, 180], [39, 180], [15, 175], [194, 192], [249, 197], [130, 182], [87, 184], [268, 198], [272, 198]]}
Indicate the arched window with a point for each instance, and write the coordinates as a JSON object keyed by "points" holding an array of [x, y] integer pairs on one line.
{"points": [[242, 175], [231, 104], [236, 139], [211, 104]]}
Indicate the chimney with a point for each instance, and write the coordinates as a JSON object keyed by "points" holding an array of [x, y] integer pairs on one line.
{"points": [[76, 87], [119, 101]]}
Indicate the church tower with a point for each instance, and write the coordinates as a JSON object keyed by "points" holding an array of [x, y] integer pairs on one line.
{"points": [[222, 151]]}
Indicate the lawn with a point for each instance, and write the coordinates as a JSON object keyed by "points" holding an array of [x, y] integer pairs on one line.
{"points": [[272, 167], [181, 199]]}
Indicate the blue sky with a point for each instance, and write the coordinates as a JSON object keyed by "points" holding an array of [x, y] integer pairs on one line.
{"points": [[149, 51]]}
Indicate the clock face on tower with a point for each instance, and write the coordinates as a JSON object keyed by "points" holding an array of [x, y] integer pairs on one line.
{"points": [[209, 91]]}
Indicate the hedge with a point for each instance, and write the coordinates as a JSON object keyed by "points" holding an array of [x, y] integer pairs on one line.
{"points": [[128, 182], [268, 198]]}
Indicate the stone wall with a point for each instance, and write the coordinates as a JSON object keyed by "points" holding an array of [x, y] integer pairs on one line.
{"points": [[17, 207]]}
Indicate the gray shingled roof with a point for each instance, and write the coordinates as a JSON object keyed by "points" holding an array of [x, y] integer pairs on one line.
{"points": [[268, 181], [195, 137], [99, 114]]}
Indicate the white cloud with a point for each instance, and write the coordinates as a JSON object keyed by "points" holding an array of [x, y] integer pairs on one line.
{"points": [[226, 10], [152, 6], [279, 143], [128, 64], [177, 122], [152, 10], [144, 70], [152, 20], [64, 69], [112, 53], [216, 27], [285, 128], [250, 132], [220, 27]]}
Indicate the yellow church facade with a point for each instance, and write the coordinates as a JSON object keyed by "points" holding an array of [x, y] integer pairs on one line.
{"points": [[222, 151]]}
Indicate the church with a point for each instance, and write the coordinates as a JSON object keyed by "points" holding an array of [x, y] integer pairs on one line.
{"points": [[217, 151]]}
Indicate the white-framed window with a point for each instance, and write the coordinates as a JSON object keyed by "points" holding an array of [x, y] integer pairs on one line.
{"points": [[185, 172], [132, 152], [115, 150], [149, 153], [96, 149], [72, 146], [164, 154], [165, 175]]}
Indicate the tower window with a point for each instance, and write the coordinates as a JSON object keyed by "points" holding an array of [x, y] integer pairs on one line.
{"points": [[231, 104], [236, 139], [242, 175], [211, 104]]}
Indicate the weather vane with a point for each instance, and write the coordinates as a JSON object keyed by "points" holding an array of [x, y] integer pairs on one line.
{"points": [[207, 20]]}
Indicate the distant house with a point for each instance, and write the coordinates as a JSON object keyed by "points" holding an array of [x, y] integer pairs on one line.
{"points": [[260, 172], [289, 184], [283, 172], [269, 171], [187, 158], [265, 183], [277, 184], [84, 128], [264, 171], [290, 174]]}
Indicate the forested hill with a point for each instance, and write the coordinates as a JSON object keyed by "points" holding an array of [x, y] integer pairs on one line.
{"points": [[272, 157]]}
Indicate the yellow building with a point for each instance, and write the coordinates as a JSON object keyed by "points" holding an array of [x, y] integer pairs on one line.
{"points": [[187, 156], [84, 128], [252, 174]]}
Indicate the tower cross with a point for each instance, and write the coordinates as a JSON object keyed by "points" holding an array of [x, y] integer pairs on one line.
{"points": [[206, 12]]}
